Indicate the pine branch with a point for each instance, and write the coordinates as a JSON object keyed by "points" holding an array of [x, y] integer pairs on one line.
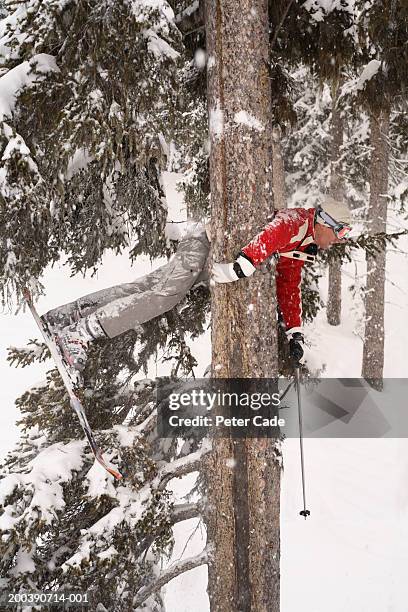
{"points": [[191, 19], [172, 572], [280, 24], [181, 467], [148, 424], [183, 512], [24, 356], [371, 243]]}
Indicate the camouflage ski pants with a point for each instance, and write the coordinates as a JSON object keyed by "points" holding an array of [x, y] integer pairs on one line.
{"points": [[124, 307]]}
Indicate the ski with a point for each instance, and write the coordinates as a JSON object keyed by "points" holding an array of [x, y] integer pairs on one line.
{"points": [[70, 386]]}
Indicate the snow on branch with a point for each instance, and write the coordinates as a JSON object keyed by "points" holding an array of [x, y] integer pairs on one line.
{"points": [[22, 76], [183, 512], [23, 356], [173, 571], [187, 12], [245, 118], [320, 9], [42, 482], [184, 465], [353, 86], [131, 506]]}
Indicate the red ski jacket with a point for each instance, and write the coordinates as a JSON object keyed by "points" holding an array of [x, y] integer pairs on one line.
{"points": [[290, 230]]}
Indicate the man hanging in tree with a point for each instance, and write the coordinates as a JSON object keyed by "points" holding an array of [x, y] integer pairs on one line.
{"points": [[294, 236]]}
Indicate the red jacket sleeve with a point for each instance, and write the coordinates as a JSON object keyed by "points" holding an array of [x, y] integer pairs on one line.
{"points": [[282, 230], [288, 291]]}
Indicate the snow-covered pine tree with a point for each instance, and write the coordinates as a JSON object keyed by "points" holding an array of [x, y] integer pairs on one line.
{"points": [[89, 90], [384, 35], [193, 136], [64, 523]]}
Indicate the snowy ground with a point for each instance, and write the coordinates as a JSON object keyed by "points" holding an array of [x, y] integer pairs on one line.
{"points": [[352, 552]]}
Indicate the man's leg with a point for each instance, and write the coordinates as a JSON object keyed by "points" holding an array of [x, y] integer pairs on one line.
{"points": [[87, 304], [156, 293], [138, 302], [193, 249]]}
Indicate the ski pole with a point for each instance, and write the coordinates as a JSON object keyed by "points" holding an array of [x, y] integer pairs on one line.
{"points": [[303, 512]]}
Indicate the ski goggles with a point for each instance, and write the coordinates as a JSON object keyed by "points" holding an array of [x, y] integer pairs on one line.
{"points": [[341, 230]]}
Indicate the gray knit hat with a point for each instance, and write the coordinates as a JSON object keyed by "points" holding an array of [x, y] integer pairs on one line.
{"points": [[336, 209]]}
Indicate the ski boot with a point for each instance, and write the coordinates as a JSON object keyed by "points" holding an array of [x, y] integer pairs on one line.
{"points": [[66, 315], [73, 346], [73, 341]]}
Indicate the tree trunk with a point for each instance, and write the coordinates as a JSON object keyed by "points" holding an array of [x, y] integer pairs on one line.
{"points": [[279, 187], [333, 310], [373, 351], [243, 476]]}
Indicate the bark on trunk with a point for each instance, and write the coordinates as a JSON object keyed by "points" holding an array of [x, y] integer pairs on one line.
{"points": [[243, 476], [373, 351], [337, 192]]}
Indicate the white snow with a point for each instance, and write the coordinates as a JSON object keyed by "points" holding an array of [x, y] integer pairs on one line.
{"points": [[108, 553], [400, 189], [130, 508], [156, 44], [10, 20], [126, 434], [140, 6], [368, 72], [319, 9], [200, 59], [210, 62], [352, 86], [11, 83], [20, 76], [160, 47], [177, 213], [99, 481], [16, 143], [245, 118], [351, 553], [216, 121], [24, 563], [78, 161], [52, 466]]}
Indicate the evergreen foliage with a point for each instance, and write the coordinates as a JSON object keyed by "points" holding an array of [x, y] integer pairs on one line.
{"points": [[383, 35], [64, 522], [93, 85], [93, 95]]}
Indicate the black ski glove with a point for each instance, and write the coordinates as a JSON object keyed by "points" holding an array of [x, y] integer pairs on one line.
{"points": [[295, 346]]}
